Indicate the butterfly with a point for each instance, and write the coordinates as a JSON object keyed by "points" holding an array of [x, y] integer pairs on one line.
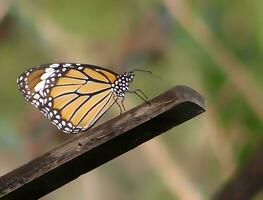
{"points": [[74, 96]]}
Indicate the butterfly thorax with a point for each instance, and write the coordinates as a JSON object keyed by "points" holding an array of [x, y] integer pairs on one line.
{"points": [[121, 85]]}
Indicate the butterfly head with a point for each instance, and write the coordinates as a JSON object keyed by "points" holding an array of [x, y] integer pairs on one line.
{"points": [[121, 85], [128, 76]]}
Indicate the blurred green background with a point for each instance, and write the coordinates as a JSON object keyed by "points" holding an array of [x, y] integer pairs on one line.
{"points": [[214, 46]]}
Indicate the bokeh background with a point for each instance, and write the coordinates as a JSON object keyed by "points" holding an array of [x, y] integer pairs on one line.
{"points": [[214, 46]]}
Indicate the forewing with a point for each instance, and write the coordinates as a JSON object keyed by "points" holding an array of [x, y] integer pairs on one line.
{"points": [[72, 96]]}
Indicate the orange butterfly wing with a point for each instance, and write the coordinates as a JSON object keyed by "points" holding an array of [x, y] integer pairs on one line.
{"points": [[72, 96]]}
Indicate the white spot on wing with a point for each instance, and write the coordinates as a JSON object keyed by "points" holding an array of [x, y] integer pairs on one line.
{"points": [[40, 86], [36, 96], [49, 69], [67, 129], [54, 65], [66, 65], [46, 75]]}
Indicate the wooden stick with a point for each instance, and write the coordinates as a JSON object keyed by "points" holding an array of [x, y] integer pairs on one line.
{"points": [[247, 182], [101, 144]]}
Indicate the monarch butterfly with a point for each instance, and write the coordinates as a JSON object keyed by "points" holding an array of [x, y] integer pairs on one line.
{"points": [[74, 96]]}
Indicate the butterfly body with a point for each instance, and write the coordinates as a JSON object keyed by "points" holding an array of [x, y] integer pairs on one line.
{"points": [[73, 96]]}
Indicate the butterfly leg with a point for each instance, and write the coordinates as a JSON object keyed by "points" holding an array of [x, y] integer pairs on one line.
{"points": [[116, 101], [140, 94], [122, 103]]}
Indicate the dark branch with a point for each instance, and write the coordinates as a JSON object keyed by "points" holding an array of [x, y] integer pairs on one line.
{"points": [[101, 144], [246, 183]]}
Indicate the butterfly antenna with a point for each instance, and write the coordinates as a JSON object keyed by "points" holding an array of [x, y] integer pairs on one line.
{"points": [[147, 71]]}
